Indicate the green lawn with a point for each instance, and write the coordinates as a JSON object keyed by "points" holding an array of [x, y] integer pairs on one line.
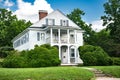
{"points": [[113, 70], [48, 73]]}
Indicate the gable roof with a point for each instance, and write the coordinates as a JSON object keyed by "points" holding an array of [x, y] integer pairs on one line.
{"points": [[57, 15]]}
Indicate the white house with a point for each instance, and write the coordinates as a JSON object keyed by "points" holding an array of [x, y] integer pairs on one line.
{"points": [[54, 29]]}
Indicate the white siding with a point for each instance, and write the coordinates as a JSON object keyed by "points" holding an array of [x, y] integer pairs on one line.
{"points": [[33, 39]]}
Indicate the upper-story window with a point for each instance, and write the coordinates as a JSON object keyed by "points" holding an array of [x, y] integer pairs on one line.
{"points": [[64, 22], [50, 21]]}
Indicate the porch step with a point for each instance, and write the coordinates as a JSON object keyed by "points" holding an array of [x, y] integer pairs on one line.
{"points": [[69, 64]]}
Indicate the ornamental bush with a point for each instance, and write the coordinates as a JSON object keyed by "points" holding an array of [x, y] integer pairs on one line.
{"points": [[40, 56], [94, 55]]}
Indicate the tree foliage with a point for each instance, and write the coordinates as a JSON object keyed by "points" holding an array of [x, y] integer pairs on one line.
{"points": [[10, 26], [76, 17], [112, 18]]}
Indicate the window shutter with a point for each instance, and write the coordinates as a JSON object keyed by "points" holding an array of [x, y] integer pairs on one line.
{"points": [[61, 22], [67, 22], [46, 21], [53, 22]]}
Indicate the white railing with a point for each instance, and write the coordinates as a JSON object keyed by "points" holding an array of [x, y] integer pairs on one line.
{"points": [[72, 40], [48, 40], [62, 40]]}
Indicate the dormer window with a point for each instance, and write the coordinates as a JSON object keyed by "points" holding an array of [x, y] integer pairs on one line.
{"points": [[50, 21], [64, 23]]}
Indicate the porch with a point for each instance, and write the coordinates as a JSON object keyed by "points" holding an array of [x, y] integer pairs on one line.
{"points": [[61, 36], [69, 55]]}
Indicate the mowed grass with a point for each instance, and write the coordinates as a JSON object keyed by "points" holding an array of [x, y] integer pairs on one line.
{"points": [[48, 73], [113, 70]]}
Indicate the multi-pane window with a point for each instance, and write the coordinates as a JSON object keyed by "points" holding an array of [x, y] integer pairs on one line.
{"points": [[64, 22], [24, 39], [50, 21], [42, 36], [72, 53], [38, 36]]}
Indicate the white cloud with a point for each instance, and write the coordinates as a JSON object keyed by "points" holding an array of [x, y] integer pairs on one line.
{"points": [[97, 25], [29, 11], [8, 3]]}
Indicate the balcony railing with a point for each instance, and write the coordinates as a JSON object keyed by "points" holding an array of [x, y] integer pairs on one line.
{"points": [[62, 40]]}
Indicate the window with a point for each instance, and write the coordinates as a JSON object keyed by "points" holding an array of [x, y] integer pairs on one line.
{"points": [[56, 36], [27, 37], [50, 21], [72, 53], [43, 36], [38, 36], [64, 23]]}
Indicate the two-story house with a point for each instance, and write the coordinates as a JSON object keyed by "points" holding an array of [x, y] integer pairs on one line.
{"points": [[54, 29]]}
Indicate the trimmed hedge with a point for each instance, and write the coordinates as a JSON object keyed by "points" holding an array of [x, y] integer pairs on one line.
{"points": [[94, 55], [40, 56]]}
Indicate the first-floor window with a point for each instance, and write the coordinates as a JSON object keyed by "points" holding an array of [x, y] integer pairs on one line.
{"points": [[43, 36], [38, 36], [72, 53]]}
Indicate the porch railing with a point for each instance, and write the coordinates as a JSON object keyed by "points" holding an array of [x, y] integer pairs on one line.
{"points": [[62, 40]]}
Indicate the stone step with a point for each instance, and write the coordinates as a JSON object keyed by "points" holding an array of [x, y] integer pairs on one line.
{"points": [[100, 75], [98, 72]]}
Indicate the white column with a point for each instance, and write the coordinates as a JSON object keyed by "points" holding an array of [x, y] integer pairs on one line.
{"points": [[59, 36], [68, 55], [75, 36], [59, 52], [75, 56], [68, 34], [51, 38]]}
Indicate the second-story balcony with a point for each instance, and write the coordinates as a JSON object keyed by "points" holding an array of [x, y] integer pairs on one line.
{"points": [[61, 36], [62, 40]]}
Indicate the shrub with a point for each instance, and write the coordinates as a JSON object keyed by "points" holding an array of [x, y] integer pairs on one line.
{"points": [[14, 60], [94, 55], [116, 61], [4, 51], [40, 56]]}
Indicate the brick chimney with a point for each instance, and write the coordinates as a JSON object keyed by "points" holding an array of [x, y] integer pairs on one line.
{"points": [[42, 14]]}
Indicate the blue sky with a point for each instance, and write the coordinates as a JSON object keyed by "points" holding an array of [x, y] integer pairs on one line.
{"points": [[23, 8], [93, 8]]}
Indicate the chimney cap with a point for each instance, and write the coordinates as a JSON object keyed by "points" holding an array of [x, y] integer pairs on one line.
{"points": [[45, 11]]}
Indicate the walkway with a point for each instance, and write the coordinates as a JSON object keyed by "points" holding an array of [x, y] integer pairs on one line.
{"points": [[100, 75]]}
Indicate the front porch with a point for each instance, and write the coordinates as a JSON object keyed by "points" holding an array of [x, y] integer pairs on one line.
{"points": [[69, 55]]}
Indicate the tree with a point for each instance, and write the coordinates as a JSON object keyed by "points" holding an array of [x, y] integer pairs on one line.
{"points": [[112, 18], [76, 17], [10, 26]]}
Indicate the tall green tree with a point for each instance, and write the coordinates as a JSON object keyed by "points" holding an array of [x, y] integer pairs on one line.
{"points": [[76, 17], [10, 26], [112, 18]]}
